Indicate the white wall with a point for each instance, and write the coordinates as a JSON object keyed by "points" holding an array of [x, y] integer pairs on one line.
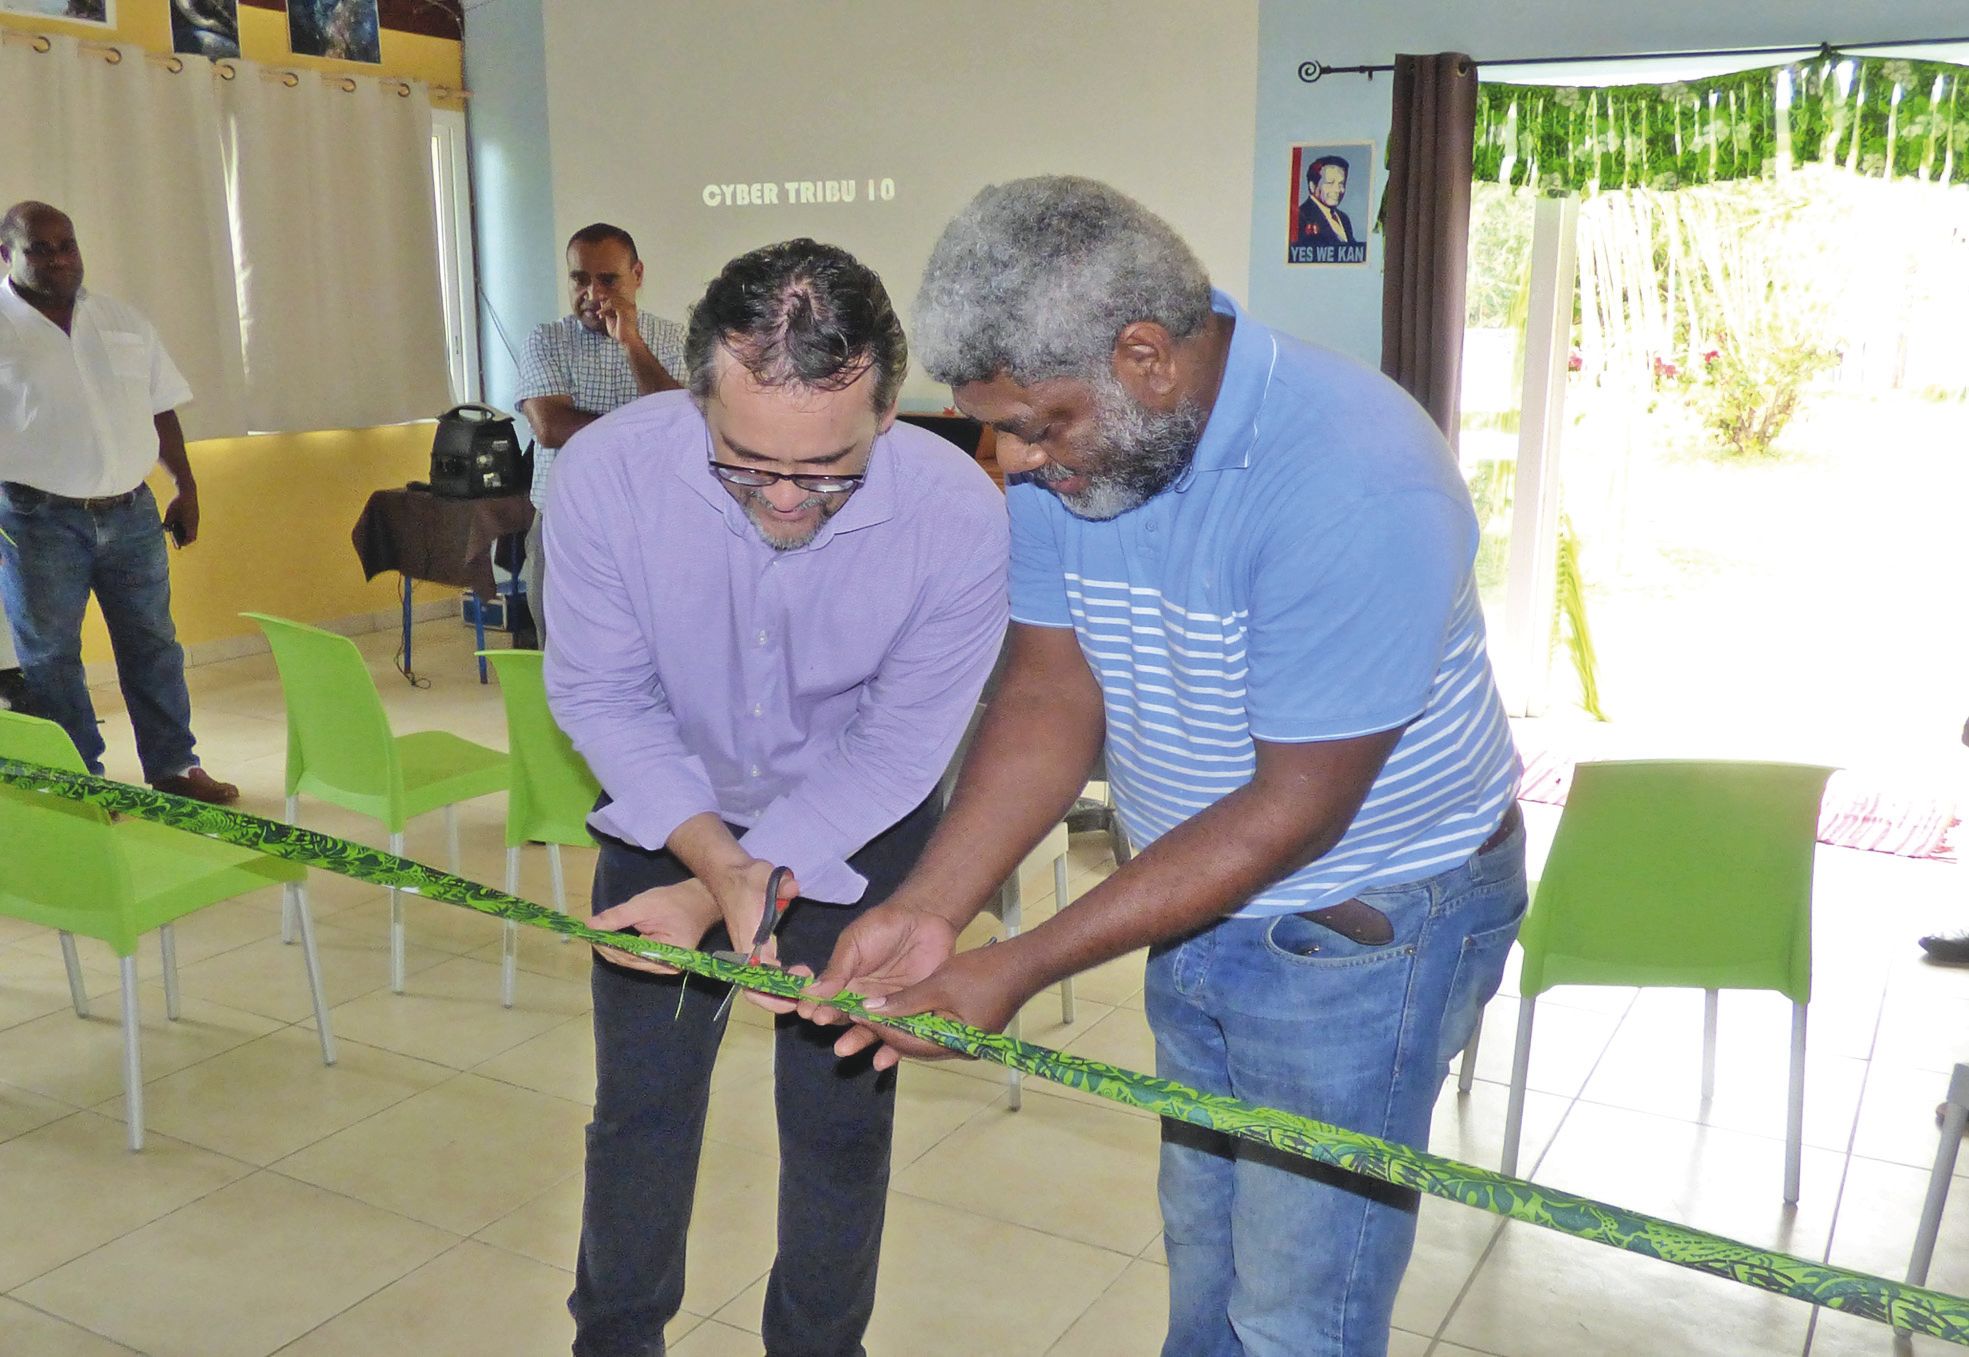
{"points": [[650, 101], [1342, 307]]}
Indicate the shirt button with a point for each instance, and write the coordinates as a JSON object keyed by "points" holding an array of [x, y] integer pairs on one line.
{"points": [[755, 770], [762, 638], [758, 709]]}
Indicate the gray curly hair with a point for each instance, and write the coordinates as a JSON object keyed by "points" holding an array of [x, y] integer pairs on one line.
{"points": [[1037, 279]]}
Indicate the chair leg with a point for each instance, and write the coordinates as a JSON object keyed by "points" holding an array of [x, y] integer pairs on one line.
{"points": [[287, 920], [312, 960], [1710, 1000], [1954, 1120], [396, 923], [1794, 1115], [451, 838], [73, 965], [133, 1065], [510, 935], [1466, 1070], [1011, 912], [167, 943], [559, 876], [1514, 1112], [1060, 903]]}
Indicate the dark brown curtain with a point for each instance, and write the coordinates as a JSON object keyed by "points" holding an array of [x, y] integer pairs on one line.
{"points": [[1427, 225]]}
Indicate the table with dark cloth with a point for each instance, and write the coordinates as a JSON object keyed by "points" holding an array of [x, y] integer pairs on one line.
{"points": [[430, 537], [423, 536]]}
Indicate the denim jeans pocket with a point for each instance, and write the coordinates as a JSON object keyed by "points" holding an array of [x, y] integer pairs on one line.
{"points": [[1306, 941], [1479, 970]]}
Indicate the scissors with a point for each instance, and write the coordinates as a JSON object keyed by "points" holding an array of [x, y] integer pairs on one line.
{"points": [[768, 921]]}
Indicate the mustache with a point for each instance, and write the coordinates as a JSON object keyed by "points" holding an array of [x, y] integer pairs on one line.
{"points": [[1052, 473]]}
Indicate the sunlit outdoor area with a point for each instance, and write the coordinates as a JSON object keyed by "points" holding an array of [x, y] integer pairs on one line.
{"points": [[1761, 456]]}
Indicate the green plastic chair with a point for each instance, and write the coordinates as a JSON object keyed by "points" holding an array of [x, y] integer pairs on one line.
{"points": [[340, 749], [1678, 874], [552, 790], [72, 869]]}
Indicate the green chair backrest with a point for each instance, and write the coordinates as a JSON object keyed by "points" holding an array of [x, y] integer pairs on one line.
{"points": [[33, 740], [339, 745], [552, 790], [62, 864], [1679, 873]]}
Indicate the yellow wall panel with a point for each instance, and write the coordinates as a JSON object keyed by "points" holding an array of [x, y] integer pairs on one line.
{"points": [[275, 515]]}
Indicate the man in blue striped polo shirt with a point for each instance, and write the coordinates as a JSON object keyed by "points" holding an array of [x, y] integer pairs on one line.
{"points": [[1245, 564]]}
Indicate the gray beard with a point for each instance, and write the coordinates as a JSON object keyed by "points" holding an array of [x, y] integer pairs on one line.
{"points": [[1142, 452]]}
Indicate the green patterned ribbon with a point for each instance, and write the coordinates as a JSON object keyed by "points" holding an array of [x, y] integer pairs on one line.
{"points": [[1913, 1308]]}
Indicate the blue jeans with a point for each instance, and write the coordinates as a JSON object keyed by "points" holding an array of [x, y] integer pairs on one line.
{"points": [[60, 553], [1270, 1255]]}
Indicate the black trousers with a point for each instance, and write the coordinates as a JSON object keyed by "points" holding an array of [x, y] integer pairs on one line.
{"points": [[652, 1087]]}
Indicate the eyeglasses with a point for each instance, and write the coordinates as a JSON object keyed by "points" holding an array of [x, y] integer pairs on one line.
{"points": [[751, 478]]}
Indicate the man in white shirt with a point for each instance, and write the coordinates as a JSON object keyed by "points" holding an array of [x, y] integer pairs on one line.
{"points": [[600, 356], [88, 401]]}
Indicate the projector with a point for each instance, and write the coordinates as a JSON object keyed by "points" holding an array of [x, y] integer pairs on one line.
{"points": [[476, 454]]}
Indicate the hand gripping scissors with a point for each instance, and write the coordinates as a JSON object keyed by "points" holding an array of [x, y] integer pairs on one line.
{"points": [[768, 921]]}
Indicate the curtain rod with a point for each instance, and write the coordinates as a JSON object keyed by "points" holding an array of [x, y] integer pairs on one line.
{"points": [[1311, 71]]}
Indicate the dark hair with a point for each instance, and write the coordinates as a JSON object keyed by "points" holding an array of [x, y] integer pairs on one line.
{"points": [[799, 313], [1318, 167], [600, 233], [19, 220]]}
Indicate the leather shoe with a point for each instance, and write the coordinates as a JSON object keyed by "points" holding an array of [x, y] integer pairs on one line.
{"points": [[1949, 950], [199, 785]]}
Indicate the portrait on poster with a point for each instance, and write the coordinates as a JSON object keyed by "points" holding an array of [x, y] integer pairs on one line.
{"points": [[1331, 197]]}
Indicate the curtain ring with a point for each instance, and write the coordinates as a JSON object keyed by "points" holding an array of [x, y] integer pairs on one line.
{"points": [[40, 42], [403, 89], [290, 79], [226, 70], [175, 65], [348, 84]]}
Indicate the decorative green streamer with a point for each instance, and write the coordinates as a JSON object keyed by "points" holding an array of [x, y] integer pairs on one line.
{"points": [[1885, 118], [1911, 1308]]}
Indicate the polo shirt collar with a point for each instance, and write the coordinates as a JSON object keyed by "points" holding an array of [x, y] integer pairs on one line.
{"points": [[873, 503], [17, 306], [1233, 428]]}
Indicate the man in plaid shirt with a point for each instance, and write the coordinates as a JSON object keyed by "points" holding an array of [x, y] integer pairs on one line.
{"points": [[601, 356]]}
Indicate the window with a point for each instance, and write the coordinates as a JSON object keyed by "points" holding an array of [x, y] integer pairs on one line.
{"points": [[452, 198]]}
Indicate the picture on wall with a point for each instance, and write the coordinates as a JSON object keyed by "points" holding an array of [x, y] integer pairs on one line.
{"points": [[75, 11], [1331, 202], [346, 30], [205, 28]]}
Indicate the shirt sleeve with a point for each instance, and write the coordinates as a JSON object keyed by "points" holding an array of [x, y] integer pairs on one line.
{"points": [[602, 681], [1038, 579], [1348, 625], [544, 369], [895, 749], [168, 387], [667, 343]]}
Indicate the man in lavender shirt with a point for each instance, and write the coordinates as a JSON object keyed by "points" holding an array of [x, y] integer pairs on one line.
{"points": [[774, 608]]}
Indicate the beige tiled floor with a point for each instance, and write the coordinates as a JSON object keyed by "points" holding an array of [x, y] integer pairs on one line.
{"points": [[423, 1196]]}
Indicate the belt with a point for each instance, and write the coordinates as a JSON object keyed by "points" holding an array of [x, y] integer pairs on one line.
{"points": [[15, 490], [1362, 922], [1513, 817]]}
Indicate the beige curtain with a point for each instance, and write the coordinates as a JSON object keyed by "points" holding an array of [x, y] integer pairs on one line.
{"points": [[341, 316], [130, 150], [1427, 218]]}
